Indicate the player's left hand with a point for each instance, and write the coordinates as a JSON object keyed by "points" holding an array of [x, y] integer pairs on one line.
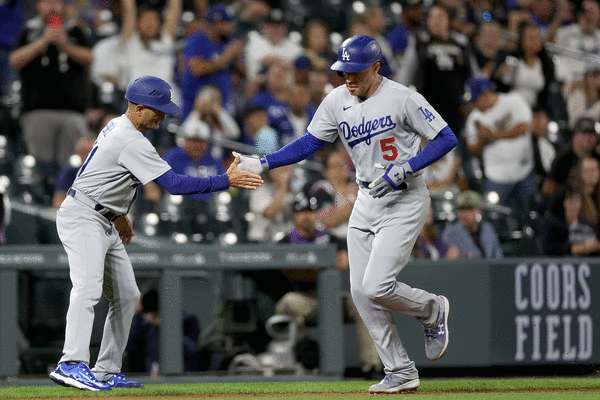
{"points": [[125, 229], [391, 179]]}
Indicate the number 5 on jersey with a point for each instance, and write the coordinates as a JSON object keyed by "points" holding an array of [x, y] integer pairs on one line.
{"points": [[390, 152]]}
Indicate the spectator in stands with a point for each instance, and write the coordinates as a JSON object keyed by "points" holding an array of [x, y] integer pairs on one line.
{"points": [[317, 84], [584, 36], [430, 245], [587, 181], [301, 110], [208, 109], [583, 96], [149, 43], [471, 236], [529, 70], [110, 66], [257, 132], [301, 301], [412, 21], [209, 56], [487, 48], [11, 19], [374, 17], [546, 15], [438, 63], [67, 174], [565, 232], [457, 13], [271, 205], [315, 41], [193, 157], [544, 151], [336, 193], [273, 98], [499, 130], [584, 142], [271, 45], [52, 56]]}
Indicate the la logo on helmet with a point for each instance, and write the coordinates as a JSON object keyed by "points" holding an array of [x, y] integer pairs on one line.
{"points": [[345, 55]]}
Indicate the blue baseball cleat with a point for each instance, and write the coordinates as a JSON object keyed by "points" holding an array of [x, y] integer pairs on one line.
{"points": [[120, 381], [78, 376], [436, 339]]}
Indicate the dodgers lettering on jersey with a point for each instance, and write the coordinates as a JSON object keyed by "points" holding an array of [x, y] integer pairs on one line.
{"points": [[385, 128], [120, 161], [365, 131]]}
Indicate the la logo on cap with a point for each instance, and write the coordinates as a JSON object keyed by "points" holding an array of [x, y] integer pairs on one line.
{"points": [[345, 55]]}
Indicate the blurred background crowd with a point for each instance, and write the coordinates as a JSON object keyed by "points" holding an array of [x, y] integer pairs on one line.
{"points": [[249, 75]]}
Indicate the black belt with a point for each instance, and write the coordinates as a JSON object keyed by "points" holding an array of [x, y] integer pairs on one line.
{"points": [[105, 212], [365, 185]]}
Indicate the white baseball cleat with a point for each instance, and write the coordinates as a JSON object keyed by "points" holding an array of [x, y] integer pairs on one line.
{"points": [[394, 384]]}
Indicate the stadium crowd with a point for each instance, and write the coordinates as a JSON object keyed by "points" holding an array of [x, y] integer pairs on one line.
{"points": [[249, 75]]}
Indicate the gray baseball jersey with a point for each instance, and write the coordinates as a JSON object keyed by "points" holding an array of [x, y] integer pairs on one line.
{"points": [[387, 127], [120, 161]]}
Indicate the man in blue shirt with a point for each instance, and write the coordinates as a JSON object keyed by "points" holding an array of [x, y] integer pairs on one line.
{"points": [[208, 55], [194, 158]]}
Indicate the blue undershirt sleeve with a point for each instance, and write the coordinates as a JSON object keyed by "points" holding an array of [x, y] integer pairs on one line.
{"points": [[435, 149], [298, 150], [183, 184]]}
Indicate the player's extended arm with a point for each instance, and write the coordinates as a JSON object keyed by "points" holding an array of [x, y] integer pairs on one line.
{"points": [[395, 174], [183, 184], [295, 151]]}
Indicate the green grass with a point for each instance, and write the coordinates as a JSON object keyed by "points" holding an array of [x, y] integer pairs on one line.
{"points": [[470, 389]]}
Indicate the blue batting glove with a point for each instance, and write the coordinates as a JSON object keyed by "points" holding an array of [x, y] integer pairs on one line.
{"points": [[391, 179]]}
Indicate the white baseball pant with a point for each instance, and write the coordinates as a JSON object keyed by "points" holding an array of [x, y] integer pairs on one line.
{"points": [[98, 263], [381, 235]]}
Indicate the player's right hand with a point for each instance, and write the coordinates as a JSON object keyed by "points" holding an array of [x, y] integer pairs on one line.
{"points": [[241, 178], [391, 179], [251, 164]]}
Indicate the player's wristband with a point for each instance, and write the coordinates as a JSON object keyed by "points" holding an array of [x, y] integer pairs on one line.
{"points": [[264, 163]]}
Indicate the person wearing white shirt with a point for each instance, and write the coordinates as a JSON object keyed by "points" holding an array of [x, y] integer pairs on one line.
{"points": [[499, 130], [582, 36], [272, 44], [148, 43]]}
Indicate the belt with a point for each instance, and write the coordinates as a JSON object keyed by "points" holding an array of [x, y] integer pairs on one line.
{"points": [[365, 185], [105, 212]]}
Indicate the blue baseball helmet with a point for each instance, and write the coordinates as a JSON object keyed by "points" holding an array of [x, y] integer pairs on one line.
{"points": [[357, 53], [152, 92]]}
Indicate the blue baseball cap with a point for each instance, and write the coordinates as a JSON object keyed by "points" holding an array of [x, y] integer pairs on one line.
{"points": [[475, 87], [219, 13], [153, 92]]}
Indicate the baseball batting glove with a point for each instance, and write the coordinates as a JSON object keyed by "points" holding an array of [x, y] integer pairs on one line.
{"points": [[253, 164], [391, 179]]}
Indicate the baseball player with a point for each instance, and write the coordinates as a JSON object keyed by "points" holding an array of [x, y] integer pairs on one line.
{"points": [[380, 123], [93, 227]]}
